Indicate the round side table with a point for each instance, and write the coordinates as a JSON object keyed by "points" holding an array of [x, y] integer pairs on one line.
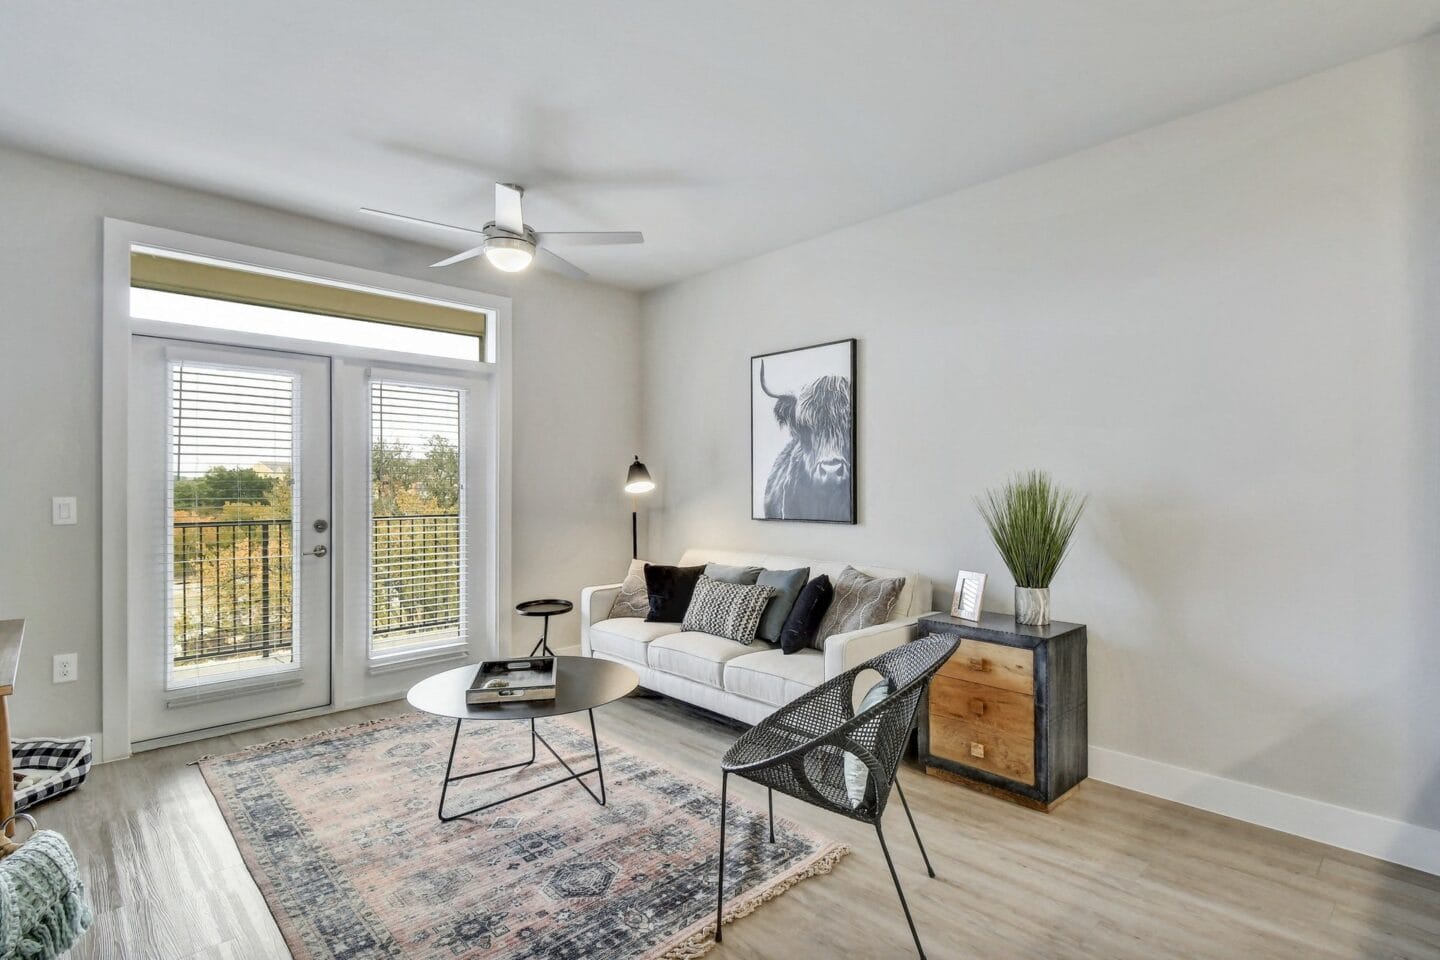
{"points": [[546, 609]]}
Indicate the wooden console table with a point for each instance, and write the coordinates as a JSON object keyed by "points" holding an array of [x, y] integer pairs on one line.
{"points": [[11, 632], [1007, 714]]}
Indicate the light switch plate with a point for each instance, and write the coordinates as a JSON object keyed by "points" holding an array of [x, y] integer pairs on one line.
{"points": [[62, 511]]}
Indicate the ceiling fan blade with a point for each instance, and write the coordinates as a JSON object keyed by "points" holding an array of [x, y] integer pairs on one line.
{"points": [[462, 255], [589, 238], [546, 259], [428, 223], [507, 209]]}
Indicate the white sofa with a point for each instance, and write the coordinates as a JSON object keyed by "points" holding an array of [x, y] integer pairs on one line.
{"points": [[746, 683]]}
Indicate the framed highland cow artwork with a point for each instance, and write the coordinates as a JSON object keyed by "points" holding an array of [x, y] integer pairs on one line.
{"points": [[802, 434]]}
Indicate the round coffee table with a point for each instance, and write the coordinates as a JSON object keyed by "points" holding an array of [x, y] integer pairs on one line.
{"points": [[580, 684]]}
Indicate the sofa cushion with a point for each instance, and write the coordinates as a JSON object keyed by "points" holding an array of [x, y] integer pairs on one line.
{"points": [[633, 600], [772, 677], [627, 637], [914, 599], [729, 574], [730, 610], [802, 625], [670, 590], [788, 584], [860, 601], [696, 656]]}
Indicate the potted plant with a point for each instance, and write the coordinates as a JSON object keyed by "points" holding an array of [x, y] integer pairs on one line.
{"points": [[1031, 521]]}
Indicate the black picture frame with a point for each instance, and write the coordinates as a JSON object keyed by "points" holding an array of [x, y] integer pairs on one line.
{"points": [[758, 510]]}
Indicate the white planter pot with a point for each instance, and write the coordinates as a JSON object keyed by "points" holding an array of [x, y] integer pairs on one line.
{"points": [[1032, 606]]}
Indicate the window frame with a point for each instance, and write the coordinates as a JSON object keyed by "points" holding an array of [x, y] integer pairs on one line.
{"points": [[461, 641]]}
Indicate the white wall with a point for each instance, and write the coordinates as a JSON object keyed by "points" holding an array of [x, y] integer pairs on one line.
{"points": [[1223, 331], [575, 408]]}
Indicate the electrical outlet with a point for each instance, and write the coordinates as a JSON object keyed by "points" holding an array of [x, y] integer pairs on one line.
{"points": [[67, 667]]}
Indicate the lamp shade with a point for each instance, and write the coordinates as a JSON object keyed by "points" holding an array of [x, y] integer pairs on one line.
{"points": [[638, 480]]}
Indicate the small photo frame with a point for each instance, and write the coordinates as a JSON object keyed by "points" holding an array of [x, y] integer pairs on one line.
{"points": [[969, 592]]}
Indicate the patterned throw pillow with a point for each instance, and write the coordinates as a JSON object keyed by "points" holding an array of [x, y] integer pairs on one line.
{"points": [[860, 602], [633, 600], [729, 610]]}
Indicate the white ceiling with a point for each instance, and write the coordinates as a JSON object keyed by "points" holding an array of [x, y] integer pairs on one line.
{"points": [[722, 128]]}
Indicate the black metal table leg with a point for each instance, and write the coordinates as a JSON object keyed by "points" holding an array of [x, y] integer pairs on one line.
{"points": [[535, 736], [720, 879], [542, 646]]}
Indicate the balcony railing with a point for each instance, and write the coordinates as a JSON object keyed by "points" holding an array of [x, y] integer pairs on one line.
{"points": [[233, 583], [415, 574], [231, 589]]}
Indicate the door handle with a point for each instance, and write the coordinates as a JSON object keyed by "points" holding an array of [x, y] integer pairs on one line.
{"points": [[319, 551]]}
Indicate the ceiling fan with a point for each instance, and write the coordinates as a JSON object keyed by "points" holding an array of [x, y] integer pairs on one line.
{"points": [[510, 244]]}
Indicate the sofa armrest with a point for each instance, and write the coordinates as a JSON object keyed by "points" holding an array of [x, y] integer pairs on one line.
{"points": [[595, 606], [846, 650]]}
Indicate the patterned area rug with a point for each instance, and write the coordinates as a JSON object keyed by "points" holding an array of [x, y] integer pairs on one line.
{"points": [[340, 833]]}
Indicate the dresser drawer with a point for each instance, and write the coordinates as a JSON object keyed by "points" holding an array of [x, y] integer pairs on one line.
{"points": [[992, 665], [1003, 711], [972, 745]]}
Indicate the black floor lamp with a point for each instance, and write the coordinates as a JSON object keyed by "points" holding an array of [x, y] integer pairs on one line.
{"points": [[637, 482]]}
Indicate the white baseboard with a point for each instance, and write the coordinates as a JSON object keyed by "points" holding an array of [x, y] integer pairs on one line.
{"points": [[1392, 840]]}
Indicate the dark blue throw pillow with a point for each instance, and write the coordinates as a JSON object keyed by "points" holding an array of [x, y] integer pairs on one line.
{"points": [[804, 621]]}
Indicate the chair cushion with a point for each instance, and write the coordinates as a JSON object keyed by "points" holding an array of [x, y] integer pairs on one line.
{"points": [[695, 656], [788, 584], [772, 677], [670, 589], [857, 775], [627, 637], [633, 600], [860, 601]]}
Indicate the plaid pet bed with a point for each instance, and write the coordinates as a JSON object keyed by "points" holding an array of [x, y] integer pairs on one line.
{"points": [[70, 759]]}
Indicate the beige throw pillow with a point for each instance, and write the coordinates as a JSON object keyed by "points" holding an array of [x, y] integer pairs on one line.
{"points": [[860, 602], [633, 600]]}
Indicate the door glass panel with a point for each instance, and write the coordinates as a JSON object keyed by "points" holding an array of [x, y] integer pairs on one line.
{"points": [[233, 460], [417, 521]]}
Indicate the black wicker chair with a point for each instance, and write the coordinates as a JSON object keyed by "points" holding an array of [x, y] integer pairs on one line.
{"points": [[800, 749]]}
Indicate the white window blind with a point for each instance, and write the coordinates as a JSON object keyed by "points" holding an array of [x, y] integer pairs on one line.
{"points": [[417, 517], [231, 568]]}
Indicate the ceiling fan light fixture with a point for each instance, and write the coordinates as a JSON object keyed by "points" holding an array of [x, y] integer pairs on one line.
{"points": [[511, 254]]}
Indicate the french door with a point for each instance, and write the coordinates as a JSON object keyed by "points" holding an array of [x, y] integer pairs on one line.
{"points": [[230, 523]]}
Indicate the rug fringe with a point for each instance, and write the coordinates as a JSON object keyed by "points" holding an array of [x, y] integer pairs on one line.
{"points": [[289, 741], [702, 941]]}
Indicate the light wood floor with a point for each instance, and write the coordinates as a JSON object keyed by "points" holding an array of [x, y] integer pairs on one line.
{"points": [[1109, 874]]}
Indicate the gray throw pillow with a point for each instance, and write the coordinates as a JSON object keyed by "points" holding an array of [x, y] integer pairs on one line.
{"points": [[633, 600], [787, 584], [730, 610], [857, 775], [860, 602], [719, 571]]}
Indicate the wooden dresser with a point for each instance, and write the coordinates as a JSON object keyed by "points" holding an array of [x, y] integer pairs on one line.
{"points": [[1007, 713]]}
